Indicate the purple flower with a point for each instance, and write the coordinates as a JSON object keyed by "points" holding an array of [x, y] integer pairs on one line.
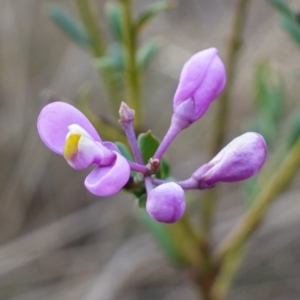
{"points": [[166, 203], [202, 79], [66, 131], [240, 159]]}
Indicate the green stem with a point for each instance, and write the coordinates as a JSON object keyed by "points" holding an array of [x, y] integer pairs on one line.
{"points": [[256, 212], [221, 117], [227, 274], [132, 74], [233, 51], [98, 44], [91, 25], [207, 209]]}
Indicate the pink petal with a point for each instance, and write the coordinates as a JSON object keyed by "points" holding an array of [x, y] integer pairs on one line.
{"points": [[53, 123], [212, 85], [202, 79], [106, 181], [166, 203], [242, 158]]}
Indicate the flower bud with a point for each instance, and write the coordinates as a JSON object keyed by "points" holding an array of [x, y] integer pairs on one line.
{"points": [[166, 203], [202, 79], [240, 159], [126, 113]]}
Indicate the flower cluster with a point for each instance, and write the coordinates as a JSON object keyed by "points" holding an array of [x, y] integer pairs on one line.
{"points": [[66, 131]]}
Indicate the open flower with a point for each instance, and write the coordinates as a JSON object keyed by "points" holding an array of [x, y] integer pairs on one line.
{"points": [[66, 131], [240, 159], [202, 79], [166, 203]]}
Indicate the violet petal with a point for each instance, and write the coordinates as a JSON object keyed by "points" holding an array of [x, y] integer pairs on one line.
{"points": [[166, 203], [107, 181], [53, 123]]}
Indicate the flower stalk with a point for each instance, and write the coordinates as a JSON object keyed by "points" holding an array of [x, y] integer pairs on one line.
{"points": [[127, 116]]}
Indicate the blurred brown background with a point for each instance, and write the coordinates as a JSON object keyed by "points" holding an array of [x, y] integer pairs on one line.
{"points": [[60, 242]]}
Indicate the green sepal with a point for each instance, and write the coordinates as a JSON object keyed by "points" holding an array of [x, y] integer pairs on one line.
{"points": [[164, 170], [69, 24], [124, 151], [114, 18], [146, 52], [148, 144], [151, 11]]}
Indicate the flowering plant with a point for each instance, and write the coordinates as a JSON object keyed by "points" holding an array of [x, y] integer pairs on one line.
{"points": [[144, 171], [66, 131]]}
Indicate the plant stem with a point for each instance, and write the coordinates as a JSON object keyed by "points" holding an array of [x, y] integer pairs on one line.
{"points": [[227, 273], [132, 74], [99, 48], [90, 22], [208, 208], [148, 184], [137, 167], [233, 51], [221, 117], [256, 212], [172, 132], [130, 134]]}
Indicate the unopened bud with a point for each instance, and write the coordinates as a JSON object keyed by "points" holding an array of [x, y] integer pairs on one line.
{"points": [[126, 113], [202, 79], [166, 203], [240, 159]]}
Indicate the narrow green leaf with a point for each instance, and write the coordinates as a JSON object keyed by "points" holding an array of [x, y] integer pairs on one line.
{"points": [[114, 18], [148, 144], [268, 91], [151, 11], [292, 27], [69, 24], [146, 52], [113, 61], [282, 8], [294, 128], [108, 63], [269, 100], [115, 50]]}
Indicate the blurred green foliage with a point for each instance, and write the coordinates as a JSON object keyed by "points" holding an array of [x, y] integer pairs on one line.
{"points": [[269, 101], [69, 24], [288, 20]]}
